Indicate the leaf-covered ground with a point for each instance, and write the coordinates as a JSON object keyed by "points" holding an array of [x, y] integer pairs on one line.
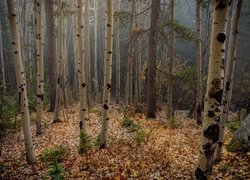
{"points": [[163, 153]]}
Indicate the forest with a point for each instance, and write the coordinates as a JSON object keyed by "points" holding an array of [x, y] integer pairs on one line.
{"points": [[125, 89]]}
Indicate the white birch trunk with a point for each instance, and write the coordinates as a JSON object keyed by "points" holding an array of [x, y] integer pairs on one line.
{"points": [[212, 109], [21, 82], [228, 80], [107, 71], [39, 58], [59, 65], [81, 70]]}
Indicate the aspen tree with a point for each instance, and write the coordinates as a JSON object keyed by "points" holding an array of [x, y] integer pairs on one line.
{"points": [[118, 58], [59, 65], [87, 54], [81, 67], [95, 50], [107, 71], [198, 63], [128, 86], [39, 58], [21, 82], [2, 61], [228, 80], [212, 109]]}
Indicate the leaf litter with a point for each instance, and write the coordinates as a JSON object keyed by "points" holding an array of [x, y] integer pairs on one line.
{"points": [[165, 153]]}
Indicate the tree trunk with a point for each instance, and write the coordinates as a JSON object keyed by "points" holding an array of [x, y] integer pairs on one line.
{"points": [[214, 91], [152, 56], [118, 60], [95, 51], [81, 70], [128, 87], [198, 64], [39, 59], [50, 49], [171, 65], [107, 71], [228, 80], [60, 64], [21, 82], [65, 60], [87, 54], [2, 60]]}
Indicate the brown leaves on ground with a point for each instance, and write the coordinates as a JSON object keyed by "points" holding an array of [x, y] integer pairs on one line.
{"points": [[165, 153]]}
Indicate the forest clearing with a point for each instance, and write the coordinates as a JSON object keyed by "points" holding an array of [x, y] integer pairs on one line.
{"points": [[124, 89], [164, 152]]}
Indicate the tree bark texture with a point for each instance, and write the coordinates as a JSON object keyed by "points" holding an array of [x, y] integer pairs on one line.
{"points": [[171, 65], [198, 64], [81, 68], [118, 58], [21, 82], [212, 109], [228, 80], [152, 55], [39, 59], [51, 52], [107, 71]]}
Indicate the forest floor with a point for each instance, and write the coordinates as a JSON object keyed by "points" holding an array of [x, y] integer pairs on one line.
{"points": [[164, 153]]}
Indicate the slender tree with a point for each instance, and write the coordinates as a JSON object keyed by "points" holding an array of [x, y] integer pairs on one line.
{"points": [[118, 60], [2, 60], [60, 63], [212, 109], [39, 58], [152, 55], [81, 68], [198, 64], [228, 80], [171, 65], [21, 82], [50, 51], [87, 54], [107, 71], [128, 87], [95, 50]]}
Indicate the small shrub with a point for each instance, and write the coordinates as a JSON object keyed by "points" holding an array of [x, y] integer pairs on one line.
{"points": [[127, 122], [85, 142], [233, 125], [173, 123], [237, 145], [130, 124], [121, 141], [53, 155], [223, 168], [140, 136], [57, 171], [98, 140]]}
